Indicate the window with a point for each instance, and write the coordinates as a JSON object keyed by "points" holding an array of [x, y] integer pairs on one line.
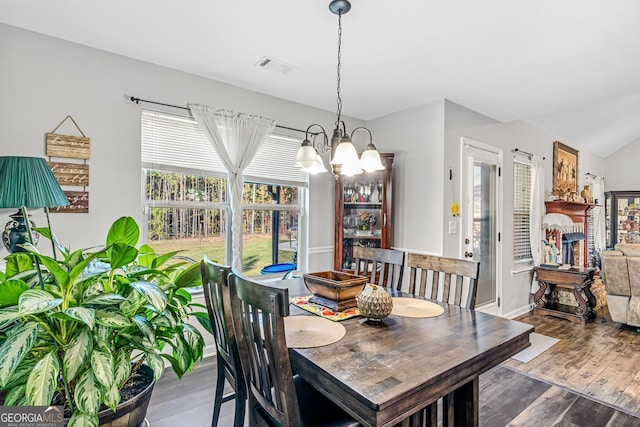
{"points": [[186, 202], [521, 211]]}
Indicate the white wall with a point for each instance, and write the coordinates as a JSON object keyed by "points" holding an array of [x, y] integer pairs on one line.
{"points": [[415, 136], [43, 79], [621, 168]]}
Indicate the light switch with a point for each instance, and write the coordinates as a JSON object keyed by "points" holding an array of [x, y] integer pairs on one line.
{"points": [[453, 227]]}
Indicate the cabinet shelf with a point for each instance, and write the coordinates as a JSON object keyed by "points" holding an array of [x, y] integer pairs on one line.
{"points": [[376, 214]]}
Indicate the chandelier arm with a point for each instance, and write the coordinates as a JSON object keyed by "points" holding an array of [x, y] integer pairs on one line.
{"points": [[363, 128], [320, 146]]}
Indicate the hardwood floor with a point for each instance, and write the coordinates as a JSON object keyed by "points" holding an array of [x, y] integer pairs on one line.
{"points": [[590, 378], [599, 360]]}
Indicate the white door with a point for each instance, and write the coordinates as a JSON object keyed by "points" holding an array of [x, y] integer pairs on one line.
{"points": [[481, 219]]}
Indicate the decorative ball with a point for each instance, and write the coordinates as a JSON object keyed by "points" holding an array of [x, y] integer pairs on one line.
{"points": [[374, 302]]}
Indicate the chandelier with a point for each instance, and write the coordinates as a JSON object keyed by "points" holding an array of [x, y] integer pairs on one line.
{"points": [[344, 157]]}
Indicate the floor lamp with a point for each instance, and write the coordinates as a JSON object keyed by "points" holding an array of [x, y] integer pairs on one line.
{"points": [[27, 182]]}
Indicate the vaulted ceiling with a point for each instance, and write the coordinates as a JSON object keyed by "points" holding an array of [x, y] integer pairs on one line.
{"points": [[570, 67]]}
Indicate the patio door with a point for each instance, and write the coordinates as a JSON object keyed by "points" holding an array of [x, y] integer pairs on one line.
{"points": [[481, 223]]}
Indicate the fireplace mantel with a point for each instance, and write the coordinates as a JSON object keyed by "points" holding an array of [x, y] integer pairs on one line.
{"points": [[579, 213]]}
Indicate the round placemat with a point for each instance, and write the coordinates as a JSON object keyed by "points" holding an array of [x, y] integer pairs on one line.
{"points": [[311, 331], [413, 307]]}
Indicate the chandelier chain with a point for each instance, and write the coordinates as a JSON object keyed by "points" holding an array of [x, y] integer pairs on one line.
{"points": [[339, 100]]}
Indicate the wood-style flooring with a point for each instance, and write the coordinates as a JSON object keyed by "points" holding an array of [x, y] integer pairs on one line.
{"points": [[590, 378]]}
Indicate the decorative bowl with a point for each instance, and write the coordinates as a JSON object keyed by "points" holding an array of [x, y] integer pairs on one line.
{"points": [[335, 285]]}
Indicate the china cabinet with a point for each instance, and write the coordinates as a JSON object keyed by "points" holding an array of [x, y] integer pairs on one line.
{"points": [[622, 214], [362, 212]]}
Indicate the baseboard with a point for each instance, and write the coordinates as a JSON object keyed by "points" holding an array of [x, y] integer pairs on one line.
{"points": [[519, 311]]}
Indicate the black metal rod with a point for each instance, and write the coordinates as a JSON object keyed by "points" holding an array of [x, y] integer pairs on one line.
{"points": [[517, 150], [139, 100]]}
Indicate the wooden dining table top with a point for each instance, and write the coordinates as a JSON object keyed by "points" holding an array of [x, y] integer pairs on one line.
{"points": [[383, 372]]}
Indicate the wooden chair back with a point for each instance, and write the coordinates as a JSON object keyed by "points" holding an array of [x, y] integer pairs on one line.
{"points": [[258, 317], [385, 266], [434, 274], [218, 300]]}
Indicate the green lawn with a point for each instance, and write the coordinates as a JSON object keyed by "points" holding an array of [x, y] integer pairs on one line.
{"points": [[256, 248]]}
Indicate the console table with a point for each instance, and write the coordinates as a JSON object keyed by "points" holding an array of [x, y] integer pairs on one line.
{"points": [[576, 279]]}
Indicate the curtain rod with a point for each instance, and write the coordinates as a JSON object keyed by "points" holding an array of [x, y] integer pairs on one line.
{"points": [[139, 100], [593, 175], [517, 150]]}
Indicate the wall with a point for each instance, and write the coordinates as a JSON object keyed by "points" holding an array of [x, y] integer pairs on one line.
{"points": [[621, 166], [415, 136], [509, 136], [43, 79]]}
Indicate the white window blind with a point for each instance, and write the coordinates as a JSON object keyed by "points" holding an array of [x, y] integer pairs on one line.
{"points": [[178, 144], [521, 215]]}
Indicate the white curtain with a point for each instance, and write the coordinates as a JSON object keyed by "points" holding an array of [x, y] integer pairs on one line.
{"points": [[536, 211], [236, 138], [597, 213]]}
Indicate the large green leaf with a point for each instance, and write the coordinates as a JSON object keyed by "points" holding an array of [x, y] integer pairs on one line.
{"points": [[80, 419], [21, 374], [10, 291], [125, 230], [204, 320], [35, 301], [152, 293], [121, 254], [155, 362], [14, 395], [18, 262], [15, 348], [105, 299], [122, 368], [182, 353], [60, 274], [42, 381], [87, 394], [78, 314], [146, 255], [46, 232], [111, 397], [162, 259], [146, 328], [195, 341], [189, 277], [8, 315], [94, 268], [78, 353], [102, 364], [111, 317]]}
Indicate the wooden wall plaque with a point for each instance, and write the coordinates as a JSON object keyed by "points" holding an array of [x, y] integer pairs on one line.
{"points": [[71, 173], [78, 203], [74, 147]]}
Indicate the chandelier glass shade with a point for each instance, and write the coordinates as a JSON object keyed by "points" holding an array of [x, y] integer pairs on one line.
{"points": [[344, 156]]}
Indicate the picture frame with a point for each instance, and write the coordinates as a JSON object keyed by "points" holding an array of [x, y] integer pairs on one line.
{"points": [[565, 170]]}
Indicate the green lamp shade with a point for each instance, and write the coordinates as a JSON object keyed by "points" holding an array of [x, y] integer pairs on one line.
{"points": [[29, 182]]}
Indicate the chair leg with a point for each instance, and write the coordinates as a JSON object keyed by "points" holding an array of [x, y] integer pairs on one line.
{"points": [[217, 403], [241, 404]]}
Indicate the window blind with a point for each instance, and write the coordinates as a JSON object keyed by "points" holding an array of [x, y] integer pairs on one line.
{"points": [[176, 143], [521, 212]]}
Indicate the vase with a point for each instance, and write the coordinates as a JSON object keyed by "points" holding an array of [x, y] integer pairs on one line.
{"points": [[586, 194], [374, 302]]}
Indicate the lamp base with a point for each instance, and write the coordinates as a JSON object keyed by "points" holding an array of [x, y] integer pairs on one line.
{"points": [[15, 233]]}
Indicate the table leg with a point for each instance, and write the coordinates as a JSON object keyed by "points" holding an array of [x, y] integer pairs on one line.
{"points": [[538, 297], [582, 308], [461, 407]]}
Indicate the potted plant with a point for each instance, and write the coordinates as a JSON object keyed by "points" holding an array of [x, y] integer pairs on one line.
{"points": [[74, 331]]}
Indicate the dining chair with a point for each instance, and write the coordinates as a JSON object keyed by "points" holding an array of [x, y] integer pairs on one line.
{"points": [[217, 298], [433, 277], [435, 274], [386, 266], [276, 396]]}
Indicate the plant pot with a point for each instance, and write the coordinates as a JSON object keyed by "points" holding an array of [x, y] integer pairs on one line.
{"points": [[132, 412]]}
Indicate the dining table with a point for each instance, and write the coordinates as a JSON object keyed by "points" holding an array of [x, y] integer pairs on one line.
{"points": [[388, 372]]}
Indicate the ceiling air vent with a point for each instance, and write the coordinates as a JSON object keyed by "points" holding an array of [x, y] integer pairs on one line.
{"points": [[274, 65]]}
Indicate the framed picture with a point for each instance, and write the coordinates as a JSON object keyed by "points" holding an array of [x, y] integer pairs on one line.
{"points": [[565, 169]]}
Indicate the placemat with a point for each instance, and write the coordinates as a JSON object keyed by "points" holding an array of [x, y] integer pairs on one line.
{"points": [[311, 331], [322, 311], [414, 307]]}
